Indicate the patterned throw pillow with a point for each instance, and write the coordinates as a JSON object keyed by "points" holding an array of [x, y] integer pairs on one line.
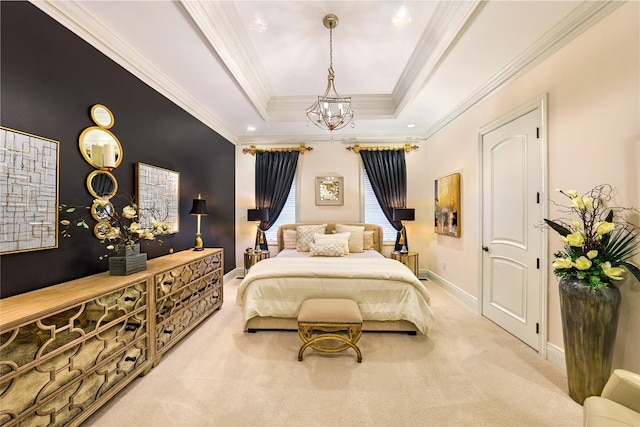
{"points": [[336, 237], [368, 240], [305, 235], [356, 241], [289, 238], [327, 248]]}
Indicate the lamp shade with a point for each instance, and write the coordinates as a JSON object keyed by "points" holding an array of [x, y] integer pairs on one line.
{"points": [[199, 207], [260, 214], [404, 214]]}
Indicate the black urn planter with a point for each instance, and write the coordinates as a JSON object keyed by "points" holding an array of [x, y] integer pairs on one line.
{"points": [[589, 325]]}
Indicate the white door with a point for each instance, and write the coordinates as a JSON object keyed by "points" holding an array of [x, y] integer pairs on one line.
{"points": [[511, 187]]}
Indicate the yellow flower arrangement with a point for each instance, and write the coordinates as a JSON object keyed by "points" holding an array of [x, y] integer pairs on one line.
{"points": [[597, 248], [124, 229]]}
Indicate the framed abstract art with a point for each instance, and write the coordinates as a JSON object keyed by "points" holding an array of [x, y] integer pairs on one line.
{"points": [[447, 205]]}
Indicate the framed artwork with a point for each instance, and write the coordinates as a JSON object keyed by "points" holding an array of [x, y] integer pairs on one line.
{"points": [[28, 192], [329, 191], [158, 197], [447, 205]]}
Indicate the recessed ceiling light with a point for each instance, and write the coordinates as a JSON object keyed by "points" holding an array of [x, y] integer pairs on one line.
{"points": [[411, 125], [251, 128], [402, 17], [259, 25]]}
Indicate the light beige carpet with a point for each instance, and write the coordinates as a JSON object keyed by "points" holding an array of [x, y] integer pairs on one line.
{"points": [[466, 372]]}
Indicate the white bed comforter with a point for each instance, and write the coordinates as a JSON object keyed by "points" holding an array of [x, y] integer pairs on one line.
{"points": [[385, 289]]}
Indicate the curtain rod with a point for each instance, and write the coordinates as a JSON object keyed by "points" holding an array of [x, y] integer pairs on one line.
{"points": [[406, 147], [253, 149]]}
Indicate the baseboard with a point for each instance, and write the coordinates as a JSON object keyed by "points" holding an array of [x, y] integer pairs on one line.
{"points": [[236, 273], [466, 298], [555, 356]]}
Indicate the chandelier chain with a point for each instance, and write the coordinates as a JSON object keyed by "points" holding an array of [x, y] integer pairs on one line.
{"points": [[331, 48]]}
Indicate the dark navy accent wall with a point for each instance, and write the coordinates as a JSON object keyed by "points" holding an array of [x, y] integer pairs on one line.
{"points": [[49, 79]]}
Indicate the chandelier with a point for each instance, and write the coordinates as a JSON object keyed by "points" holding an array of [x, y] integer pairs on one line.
{"points": [[331, 111]]}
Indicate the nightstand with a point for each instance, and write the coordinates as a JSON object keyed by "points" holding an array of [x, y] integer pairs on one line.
{"points": [[250, 258], [409, 259]]}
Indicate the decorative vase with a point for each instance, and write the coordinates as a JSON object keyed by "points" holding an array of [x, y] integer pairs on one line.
{"points": [[127, 260], [589, 324]]}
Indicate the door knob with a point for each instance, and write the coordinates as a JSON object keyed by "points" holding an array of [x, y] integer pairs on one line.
{"points": [[486, 249]]}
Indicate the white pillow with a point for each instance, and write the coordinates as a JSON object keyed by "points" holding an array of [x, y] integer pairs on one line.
{"points": [[327, 248], [336, 237], [289, 238], [305, 235], [367, 241], [356, 241]]}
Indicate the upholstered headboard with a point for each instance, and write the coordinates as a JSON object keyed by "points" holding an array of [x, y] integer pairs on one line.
{"points": [[331, 226]]}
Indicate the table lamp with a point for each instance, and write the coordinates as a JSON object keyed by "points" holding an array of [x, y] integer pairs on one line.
{"points": [[258, 215], [198, 209], [403, 214]]}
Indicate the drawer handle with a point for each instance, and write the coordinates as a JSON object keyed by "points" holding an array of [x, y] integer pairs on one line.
{"points": [[167, 331], [131, 327], [130, 359], [129, 298]]}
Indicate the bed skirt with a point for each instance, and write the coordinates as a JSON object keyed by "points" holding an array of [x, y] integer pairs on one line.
{"points": [[277, 323]]}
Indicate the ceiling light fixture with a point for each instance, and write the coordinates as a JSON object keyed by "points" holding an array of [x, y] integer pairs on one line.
{"points": [[331, 111], [402, 17], [259, 25]]}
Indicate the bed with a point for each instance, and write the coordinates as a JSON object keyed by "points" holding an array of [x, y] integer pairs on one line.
{"points": [[389, 295]]}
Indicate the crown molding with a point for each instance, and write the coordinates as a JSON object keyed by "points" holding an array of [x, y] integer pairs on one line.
{"points": [[574, 24], [449, 19], [218, 23], [84, 25], [324, 137]]}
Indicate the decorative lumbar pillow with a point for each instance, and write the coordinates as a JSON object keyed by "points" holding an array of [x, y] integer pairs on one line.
{"points": [[305, 235], [356, 240], [289, 238], [336, 237], [368, 240], [327, 248]]}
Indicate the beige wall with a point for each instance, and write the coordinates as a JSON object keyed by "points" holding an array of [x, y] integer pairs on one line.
{"points": [[594, 137]]}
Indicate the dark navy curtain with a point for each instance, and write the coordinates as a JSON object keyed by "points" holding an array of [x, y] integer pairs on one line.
{"points": [[387, 172], [274, 176]]}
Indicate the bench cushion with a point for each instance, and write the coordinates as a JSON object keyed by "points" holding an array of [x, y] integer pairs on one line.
{"points": [[329, 310]]}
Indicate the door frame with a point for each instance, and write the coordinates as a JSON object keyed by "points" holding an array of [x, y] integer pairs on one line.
{"points": [[539, 103]]}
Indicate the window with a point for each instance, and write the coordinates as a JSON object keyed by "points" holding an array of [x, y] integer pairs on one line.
{"points": [[287, 216], [373, 213]]}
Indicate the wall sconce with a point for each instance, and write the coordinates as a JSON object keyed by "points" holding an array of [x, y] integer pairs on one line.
{"points": [[258, 215], [403, 214], [198, 209]]}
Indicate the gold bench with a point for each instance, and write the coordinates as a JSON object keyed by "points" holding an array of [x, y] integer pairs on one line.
{"points": [[322, 321]]}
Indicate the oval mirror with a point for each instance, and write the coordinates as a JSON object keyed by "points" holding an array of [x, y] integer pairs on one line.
{"points": [[101, 212], [102, 184], [102, 116], [100, 148], [101, 229]]}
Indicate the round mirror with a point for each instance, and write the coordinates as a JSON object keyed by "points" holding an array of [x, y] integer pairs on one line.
{"points": [[101, 229], [102, 184], [100, 148], [100, 212], [102, 116]]}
